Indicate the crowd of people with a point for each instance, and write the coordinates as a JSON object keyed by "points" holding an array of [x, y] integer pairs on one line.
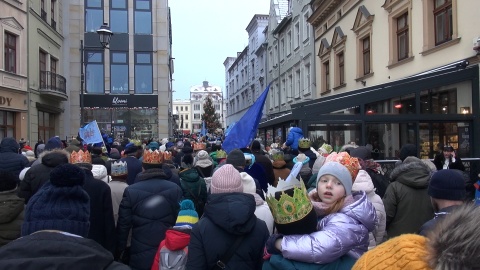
{"points": [[187, 204]]}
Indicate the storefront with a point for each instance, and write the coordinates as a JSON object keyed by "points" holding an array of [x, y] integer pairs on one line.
{"points": [[429, 110], [13, 114], [130, 116]]}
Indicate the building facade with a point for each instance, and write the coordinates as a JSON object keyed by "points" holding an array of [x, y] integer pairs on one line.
{"points": [[14, 97], [127, 88], [198, 95], [392, 73], [46, 77], [182, 110]]}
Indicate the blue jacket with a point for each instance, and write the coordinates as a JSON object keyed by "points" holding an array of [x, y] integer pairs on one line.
{"points": [[294, 135], [10, 159]]}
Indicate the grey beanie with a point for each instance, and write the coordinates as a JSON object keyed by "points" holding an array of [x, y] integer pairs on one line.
{"points": [[236, 158], [340, 172]]}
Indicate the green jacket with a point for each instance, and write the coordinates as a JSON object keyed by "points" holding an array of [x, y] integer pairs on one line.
{"points": [[194, 188], [11, 217]]}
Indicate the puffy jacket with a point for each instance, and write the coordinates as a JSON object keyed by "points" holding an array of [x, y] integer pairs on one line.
{"points": [[293, 136], [149, 207], [226, 217], [407, 203], [364, 182], [10, 159], [11, 217], [55, 250], [194, 186], [174, 240], [39, 174], [344, 232]]}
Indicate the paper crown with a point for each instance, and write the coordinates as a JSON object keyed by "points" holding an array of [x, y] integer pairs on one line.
{"points": [[325, 149], [221, 154], [277, 155], [119, 168], [136, 142], [80, 157], [303, 143], [199, 146], [288, 209], [346, 160], [156, 157]]}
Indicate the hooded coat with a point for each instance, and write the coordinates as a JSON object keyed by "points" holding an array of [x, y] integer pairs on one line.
{"points": [[174, 240], [293, 136], [38, 175], [194, 188], [12, 215], [55, 250], [407, 203], [342, 233], [364, 182], [10, 159], [226, 217]]}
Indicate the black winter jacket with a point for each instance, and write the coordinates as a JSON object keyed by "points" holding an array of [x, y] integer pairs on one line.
{"points": [[10, 159], [226, 217], [39, 174], [134, 167], [55, 250], [149, 207]]}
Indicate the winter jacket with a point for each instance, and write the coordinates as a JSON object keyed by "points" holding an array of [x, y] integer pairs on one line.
{"points": [[406, 200], [263, 160], [430, 225], [11, 216], [149, 207], [341, 233], [38, 175], [278, 262], [439, 160], [194, 188], [313, 157], [364, 182], [10, 159], [280, 170], [100, 172], [174, 240], [56, 250], [116, 188], [293, 136], [102, 222], [134, 167], [257, 171], [228, 216], [205, 171], [262, 211]]}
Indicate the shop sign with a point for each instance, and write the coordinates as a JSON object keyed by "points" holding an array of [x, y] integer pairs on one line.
{"points": [[5, 101], [116, 101]]}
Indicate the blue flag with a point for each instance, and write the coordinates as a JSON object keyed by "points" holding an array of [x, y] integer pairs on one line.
{"points": [[243, 132], [90, 133], [204, 130]]}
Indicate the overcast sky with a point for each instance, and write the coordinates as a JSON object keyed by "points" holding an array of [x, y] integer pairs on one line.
{"points": [[205, 33]]}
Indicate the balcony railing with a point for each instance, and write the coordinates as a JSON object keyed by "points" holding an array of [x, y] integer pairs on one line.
{"points": [[53, 83]]}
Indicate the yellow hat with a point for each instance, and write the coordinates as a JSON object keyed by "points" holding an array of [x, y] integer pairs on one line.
{"points": [[408, 251]]}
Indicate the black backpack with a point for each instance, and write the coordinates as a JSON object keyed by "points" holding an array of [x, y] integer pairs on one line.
{"points": [[380, 182]]}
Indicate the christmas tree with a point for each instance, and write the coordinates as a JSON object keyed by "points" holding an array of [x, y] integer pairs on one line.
{"points": [[209, 116]]}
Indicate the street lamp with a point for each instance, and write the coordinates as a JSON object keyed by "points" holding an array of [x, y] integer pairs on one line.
{"points": [[105, 35]]}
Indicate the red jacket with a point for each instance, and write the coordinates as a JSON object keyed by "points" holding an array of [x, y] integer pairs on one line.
{"points": [[174, 240]]}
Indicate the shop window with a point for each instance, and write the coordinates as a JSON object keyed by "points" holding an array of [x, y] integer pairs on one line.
{"points": [[10, 52], [119, 72], [449, 99], [337, 135], [143, 17], [94, 76], [46, 125], [439, 24], [397, 105], [433, 136], [388, 138], [93, 15], [119, 16], [355, 110], [143, 73]]}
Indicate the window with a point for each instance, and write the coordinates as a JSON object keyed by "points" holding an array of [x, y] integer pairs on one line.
{"points": [[118, 16], [289, 42], [297, 35], [341, 68], [143, 17], [282, 49], [10, 52], [177, 108], [306, 27], [93, 15], [119, 72], [7, 124], [307, 78], [53, 23], [143, 73], [53, 71], [366, 55], [217, 107], [196, 116], [46, 125], [186, 117], [186, 108], [326, 75], [402, 36], [181, 108], [196, 107], [443, 21], [42, 59], [186, 125], [297, 83], [43, 12], [94, 77], [284, 91]]}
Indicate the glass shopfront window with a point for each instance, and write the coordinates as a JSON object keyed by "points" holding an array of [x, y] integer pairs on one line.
{"points": [[269, 136], [387, 138], [449, 99], [433, 136], [337, 135], [398, 105]]}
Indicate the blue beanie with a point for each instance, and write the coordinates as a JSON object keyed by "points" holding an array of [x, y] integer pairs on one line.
{"points": [[447, 185], [61, 204], [340, 172], [53, 143], [187, 215]]}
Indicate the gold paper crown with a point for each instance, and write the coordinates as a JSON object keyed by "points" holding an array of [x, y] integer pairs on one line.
{"points": [[277, 155], [167, 155], [80, 157], [152, 157], [199, 146], [304, 143], [289, 209], [221, 154]]}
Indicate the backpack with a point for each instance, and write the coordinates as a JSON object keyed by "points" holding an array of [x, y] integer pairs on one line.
{"points": [[380, 182], [172, 259]]}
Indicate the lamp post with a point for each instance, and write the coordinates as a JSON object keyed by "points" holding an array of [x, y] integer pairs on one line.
{"points": [[105, 35]]}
